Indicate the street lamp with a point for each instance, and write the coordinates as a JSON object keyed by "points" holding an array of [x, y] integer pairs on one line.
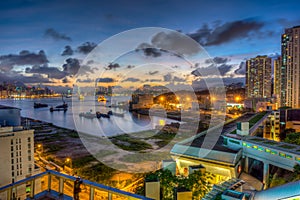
{"points": [[40, 148], [69, 160], [237, 98]]}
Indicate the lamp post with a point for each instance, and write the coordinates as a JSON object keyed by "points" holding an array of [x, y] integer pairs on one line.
{"points": [[69, 160], [40, 149]]}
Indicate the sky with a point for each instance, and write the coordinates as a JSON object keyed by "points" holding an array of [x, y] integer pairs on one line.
{"points": [[47, 41]]}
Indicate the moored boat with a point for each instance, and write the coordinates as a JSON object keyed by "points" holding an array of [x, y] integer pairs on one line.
{"points": [[40, 105]]}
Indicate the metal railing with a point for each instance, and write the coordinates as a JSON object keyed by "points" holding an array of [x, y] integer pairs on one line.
{"points": [[60, 186]]}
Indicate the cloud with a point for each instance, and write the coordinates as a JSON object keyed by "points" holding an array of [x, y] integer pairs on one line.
{"points": [[130, 66], [227, 32], [88, 80], [67, 80], [152, 73], [52, 72], [241, 70], [173, 42], [212, 70], [178, 79], [112, 66], [51, 33], [17, 77], [131, 80], [167, 77], [149, 50], [217, 60], [72, 66], [86, 47], [105, 80], [68, 51], [7, 62], [153, 80]]}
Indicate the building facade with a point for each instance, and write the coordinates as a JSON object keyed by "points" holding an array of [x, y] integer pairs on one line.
{"points": [[290, 68], [258, 77]]}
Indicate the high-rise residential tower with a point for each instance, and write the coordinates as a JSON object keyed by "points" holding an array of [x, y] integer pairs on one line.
{"points": [[277, 80], [290, 68], [258, 77]]}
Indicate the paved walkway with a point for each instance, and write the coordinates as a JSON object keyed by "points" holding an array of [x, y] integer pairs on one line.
{"points": [[251, 182]]}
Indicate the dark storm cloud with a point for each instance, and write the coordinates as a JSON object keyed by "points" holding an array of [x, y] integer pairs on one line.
{"points": [[175, 43], [131, 80], [72, 66], [68, 51], [51, 33], [217, 60], [241, 70], [227, 32], [112, 66], [7, 62], [212, 70], [52, 72], [149, 50], [105, 80], [86, 47]]}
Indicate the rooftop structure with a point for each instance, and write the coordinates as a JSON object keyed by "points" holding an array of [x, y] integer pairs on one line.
{"points": [[60, 186]]}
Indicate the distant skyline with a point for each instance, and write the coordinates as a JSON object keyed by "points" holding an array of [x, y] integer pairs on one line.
{"points": [[45, 41]]}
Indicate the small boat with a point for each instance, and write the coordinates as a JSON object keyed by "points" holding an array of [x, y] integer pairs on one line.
{"points": [[40, 105], [115, 114], [80, 97], [64, 105], [90, 115], [58, 109], [101, 98], [68, 96], [104, 115]]}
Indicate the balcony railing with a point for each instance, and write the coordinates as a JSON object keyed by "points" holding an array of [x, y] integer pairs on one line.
{"points": [[56, 185]]}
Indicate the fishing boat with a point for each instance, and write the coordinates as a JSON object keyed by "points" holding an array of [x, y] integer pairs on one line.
{"points": [[90, 115], [64, 105], [101, 98], [40, 105], [58, 109], [115, 114]]}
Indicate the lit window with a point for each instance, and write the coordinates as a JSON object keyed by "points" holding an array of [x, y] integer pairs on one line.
{"points": [[268, 150], [289, 156], [281, 154], [261, 149]]}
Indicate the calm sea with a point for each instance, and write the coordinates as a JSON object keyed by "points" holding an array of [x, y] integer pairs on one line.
{"points": [[71, 120]]}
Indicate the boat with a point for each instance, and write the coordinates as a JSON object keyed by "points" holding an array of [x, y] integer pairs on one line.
{"points": [[58, 109], [80, 97], [115, 114], [64, 105], [101, 98], [68, 96], [40, 105], [90, 115]]}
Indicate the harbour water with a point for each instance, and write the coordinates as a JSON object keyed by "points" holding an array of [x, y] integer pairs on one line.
{"points": [[70, 119]]}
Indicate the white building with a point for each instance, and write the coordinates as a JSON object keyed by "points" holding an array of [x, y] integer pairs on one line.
{"points": [[17, 153]]}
